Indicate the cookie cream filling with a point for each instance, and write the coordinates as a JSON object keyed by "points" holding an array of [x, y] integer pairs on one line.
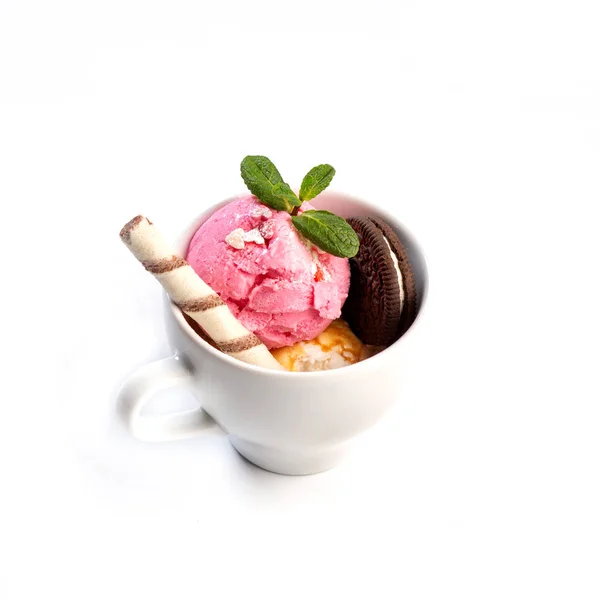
{"points": [[398, 273]]}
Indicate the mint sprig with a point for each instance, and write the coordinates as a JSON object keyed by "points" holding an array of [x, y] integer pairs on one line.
{"points": [[315, 181], [264, 180], [324, 229], [327, 231]]}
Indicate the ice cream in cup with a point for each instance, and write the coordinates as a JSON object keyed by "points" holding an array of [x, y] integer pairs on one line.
{"points": [[291, 316]]}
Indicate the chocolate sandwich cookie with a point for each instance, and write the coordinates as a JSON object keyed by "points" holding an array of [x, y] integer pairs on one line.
{"points": [[382, 301]]}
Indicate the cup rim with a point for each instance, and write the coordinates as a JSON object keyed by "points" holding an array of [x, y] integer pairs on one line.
{"points": [[182, 243]]}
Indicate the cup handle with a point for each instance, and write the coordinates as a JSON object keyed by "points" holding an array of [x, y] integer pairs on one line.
{"points": [[139, 387]]}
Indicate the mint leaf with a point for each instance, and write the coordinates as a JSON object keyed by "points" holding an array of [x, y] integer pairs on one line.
{"points": [[328, 231], [284, 193], [263, 179], [315, 181]]}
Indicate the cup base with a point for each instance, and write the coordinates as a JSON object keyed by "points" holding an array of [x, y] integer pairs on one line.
{"points": [[285, 462]]}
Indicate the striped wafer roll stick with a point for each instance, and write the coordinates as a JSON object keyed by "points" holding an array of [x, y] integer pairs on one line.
{"points": [[192, 295]]}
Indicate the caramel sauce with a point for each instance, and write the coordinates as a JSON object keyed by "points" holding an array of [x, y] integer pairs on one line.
{"points": [[337, 339]]}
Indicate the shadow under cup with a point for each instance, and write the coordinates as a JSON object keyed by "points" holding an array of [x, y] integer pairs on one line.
{"points": [[292, 422]]}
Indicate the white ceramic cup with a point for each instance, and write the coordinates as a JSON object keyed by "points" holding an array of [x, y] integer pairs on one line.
{"points": [[290, 423]]}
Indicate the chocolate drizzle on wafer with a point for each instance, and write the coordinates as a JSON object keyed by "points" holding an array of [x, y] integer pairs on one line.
{"points": [[239, 344], [201, 304], [129, 227], [164, 265]]}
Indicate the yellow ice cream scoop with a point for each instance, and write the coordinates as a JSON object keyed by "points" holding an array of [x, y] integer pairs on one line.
{"points": [[336, 347]]}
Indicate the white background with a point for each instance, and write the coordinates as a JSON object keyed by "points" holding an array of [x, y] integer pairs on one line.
{"points": [[476, 123]]}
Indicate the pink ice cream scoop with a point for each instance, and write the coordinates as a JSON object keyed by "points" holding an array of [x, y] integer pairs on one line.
{"points": [[279, 285]]}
